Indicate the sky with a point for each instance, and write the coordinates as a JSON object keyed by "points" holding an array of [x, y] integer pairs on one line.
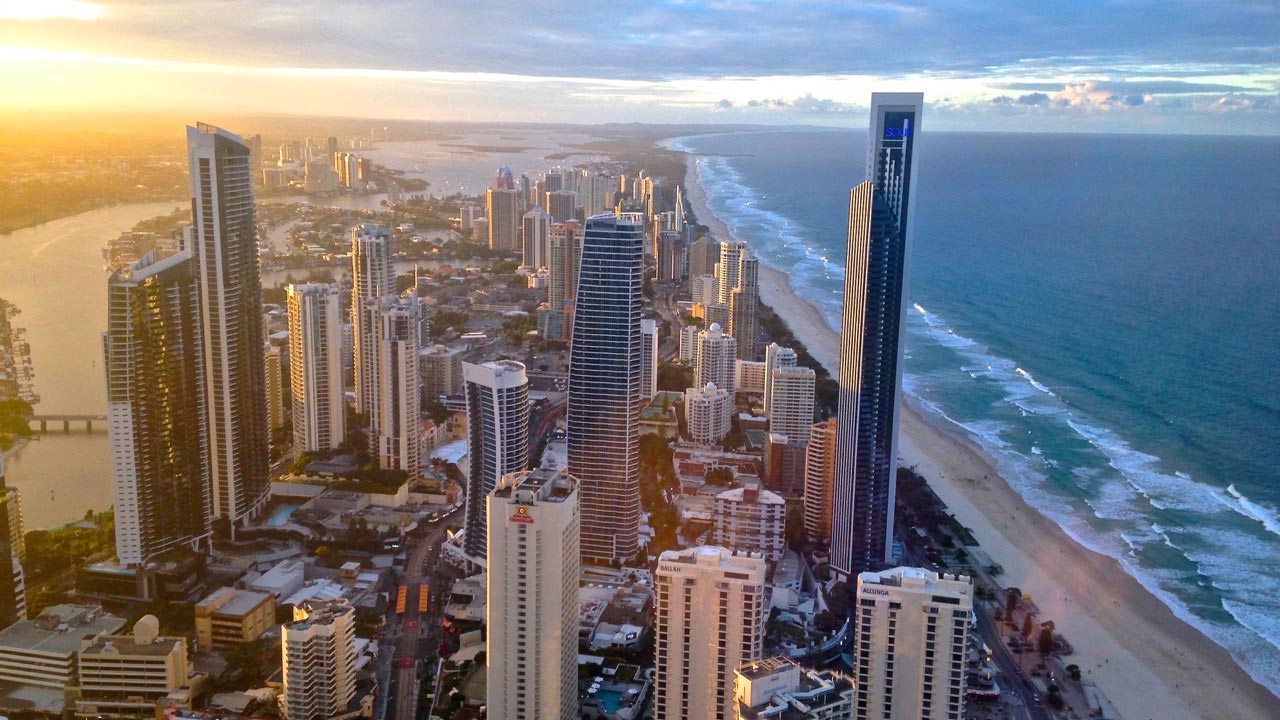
{"points": [[1202, 66]]}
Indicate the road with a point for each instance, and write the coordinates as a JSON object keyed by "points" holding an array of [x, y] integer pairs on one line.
{"points": [[412, 631], [664, 302], [1012, 678]]}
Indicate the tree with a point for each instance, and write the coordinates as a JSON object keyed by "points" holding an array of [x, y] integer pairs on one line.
{"points": [[438, 412], [1044, 644], [1011, 596], [244, 661], [675, 378], [1028, 626], [719, 476], [1073, 672]]}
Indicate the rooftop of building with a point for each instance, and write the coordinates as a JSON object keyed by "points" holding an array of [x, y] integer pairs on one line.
{"points": [[543, 485], [807, 689], [751, 495], [233, 601], [59, 629], [918, 579]]}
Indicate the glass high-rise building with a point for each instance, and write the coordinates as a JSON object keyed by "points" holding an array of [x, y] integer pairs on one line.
{"points": [[156, 407], [226, 253], [497, 437], [604, 385], [879, 246]]}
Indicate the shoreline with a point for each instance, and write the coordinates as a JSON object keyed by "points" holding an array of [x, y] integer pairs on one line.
{"points": [[1165, 667]]}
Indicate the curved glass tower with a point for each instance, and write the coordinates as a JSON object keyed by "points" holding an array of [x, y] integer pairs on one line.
{"points": [[604, 385], [871, 338]]}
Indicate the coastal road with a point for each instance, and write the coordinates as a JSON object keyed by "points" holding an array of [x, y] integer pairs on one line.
{"points": [[1013, 679], [664, 302]]}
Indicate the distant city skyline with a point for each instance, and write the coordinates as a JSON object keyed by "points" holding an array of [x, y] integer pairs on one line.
{"points": [[1194, 67]]}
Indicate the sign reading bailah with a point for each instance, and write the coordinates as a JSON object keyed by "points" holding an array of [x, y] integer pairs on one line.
{"points": [[522, 515]]}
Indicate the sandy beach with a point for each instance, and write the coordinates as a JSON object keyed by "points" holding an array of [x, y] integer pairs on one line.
{"points": [[1147, 661]]}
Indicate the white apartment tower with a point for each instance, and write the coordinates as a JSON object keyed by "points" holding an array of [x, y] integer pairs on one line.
{"points": [[373, 278], [498, 437], [714, 356], [710, 617], [237, 439], [750, 520], [648, 359], [396, 421], [727, 272], [688, 343], [709, 413], [315, 366], [531, 609], [910, 629], [776, 356], [791, 406], [318, 652]]}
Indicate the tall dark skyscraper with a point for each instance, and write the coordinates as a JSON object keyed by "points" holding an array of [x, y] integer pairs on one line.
{"points": [[12, 587], [604, 385], [871, 338], [156, 407], [226, 251]]}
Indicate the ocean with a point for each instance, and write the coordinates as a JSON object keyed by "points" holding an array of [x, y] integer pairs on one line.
{"points": [[1101, 313]]}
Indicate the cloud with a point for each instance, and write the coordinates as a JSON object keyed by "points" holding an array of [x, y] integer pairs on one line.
{"points": [[724, 104], [1035, 98], [820, 106], [1135, 87]]}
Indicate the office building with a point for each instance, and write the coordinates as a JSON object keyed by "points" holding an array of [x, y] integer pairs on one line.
{"points": [[871, 338], [648, 359], [44, 651], [819, 472], [230, 616], [604, 386], [710, 616], [910, 629], [156, 423], [744, 305], [749, 520], [503, 209], [714, 357], [776, 356], [396, 423], [275, 388], [497, 437], [237, 440], [441, 371], [373, 277], [531, 609], [777, 688], [315, 367], [791, 410], [708, 412], [129, 675], [535, 238], [318, 652], [561, 205]]}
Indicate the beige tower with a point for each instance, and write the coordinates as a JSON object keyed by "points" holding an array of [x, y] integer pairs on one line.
{"points": [[910, 631], [710, 620], [531, 613]]}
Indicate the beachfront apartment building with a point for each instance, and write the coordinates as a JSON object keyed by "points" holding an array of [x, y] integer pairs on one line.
{"points": [[710, 616], [791, 393], [873, 323], [708, 413], [910, 629], [819, 471], [775, 357], [750, 520], [713, 358]]}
